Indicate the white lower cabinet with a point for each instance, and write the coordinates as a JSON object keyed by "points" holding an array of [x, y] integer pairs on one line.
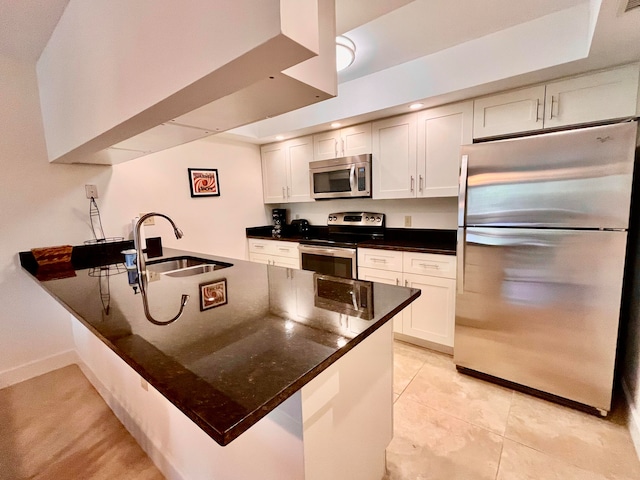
{"points": [[274, 252], [383, 276], [429, 320]]}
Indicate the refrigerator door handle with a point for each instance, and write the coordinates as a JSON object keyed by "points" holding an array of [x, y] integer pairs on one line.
{"points": [[462, 192], [460, 261]]}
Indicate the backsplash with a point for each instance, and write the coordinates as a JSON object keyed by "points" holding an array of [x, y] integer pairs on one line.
{"points": [[433, 213]]}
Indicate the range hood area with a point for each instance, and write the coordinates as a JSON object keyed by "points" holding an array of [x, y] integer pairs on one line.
{"points": [[119, 80]]}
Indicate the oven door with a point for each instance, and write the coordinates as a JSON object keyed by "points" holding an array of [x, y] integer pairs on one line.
{"points": [[335, 261], [350, 180]]}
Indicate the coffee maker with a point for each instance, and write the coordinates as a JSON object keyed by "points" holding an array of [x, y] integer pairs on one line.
{"points": [[279, 216]]}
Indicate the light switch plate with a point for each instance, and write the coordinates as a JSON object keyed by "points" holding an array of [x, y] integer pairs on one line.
{"points": [[148, 221]]}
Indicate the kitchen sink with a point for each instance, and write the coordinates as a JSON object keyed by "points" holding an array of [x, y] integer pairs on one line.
{"points": [[185, 266]]}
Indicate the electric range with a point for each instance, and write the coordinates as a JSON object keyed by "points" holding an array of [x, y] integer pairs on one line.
{"points": [[336, 252]]}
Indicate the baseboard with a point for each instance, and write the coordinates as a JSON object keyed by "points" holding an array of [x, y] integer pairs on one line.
{"points": [[37, 368], [423, 343], [634, 418]]}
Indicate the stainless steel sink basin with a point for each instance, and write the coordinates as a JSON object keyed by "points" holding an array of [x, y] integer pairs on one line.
{"points": [[185, 266]]}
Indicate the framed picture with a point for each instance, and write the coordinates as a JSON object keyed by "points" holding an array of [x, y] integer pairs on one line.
{"points": [[213, 294], [204, 182]]}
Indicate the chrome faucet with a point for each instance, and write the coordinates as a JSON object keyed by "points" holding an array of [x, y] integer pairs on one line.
{"points": [[142, 267]]}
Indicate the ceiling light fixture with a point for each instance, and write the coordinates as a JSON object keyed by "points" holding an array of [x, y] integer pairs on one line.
{"points": [[345, 52], [279, 137], [335, 124], [416, 106]]}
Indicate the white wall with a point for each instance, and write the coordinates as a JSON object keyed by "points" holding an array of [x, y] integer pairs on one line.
{"points": [[160, 183], [437, 213], [43, 204]]}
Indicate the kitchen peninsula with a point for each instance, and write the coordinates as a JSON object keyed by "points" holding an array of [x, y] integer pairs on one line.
{"points": [[286, 379]]}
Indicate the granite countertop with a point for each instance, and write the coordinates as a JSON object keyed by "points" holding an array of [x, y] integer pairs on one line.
{"points": [[225, 367], [441, 242]]}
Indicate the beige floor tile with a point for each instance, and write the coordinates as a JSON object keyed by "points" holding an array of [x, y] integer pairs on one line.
{"points": [[594, 444], [407, 361], [430, 445], [56, 426], [439, 385], [519, 462]]}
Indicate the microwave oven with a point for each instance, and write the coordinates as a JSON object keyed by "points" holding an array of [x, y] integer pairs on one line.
{"points": [[344, 177]]}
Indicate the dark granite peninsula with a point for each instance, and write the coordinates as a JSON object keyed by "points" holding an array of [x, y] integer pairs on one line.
{"points": [[281, 368]]}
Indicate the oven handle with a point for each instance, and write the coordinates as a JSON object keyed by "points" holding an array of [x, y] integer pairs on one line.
{"points": [[328, 251]]}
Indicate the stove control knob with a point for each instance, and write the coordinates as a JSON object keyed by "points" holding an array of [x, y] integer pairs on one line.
{"points": [[377, 219]]}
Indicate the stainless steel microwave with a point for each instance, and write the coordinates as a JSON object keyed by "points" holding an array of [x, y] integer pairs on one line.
{"points": [[344, 177]]}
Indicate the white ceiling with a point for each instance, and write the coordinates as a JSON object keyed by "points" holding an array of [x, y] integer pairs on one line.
{"points": [[388, 35], [423, 27]]}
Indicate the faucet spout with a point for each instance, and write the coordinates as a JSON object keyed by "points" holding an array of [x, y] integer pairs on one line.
{"points": [[141, 264]]}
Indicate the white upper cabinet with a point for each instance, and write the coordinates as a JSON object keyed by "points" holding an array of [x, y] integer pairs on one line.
{"points": [[594, 97], [348, 141], [418, 155], [285, 170], [591, 98], [510, 112], [394, 157], [441, 132], [274, 173]]}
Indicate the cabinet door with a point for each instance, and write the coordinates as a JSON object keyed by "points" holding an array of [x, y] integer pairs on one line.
{"points": [[299, 154], [325, 145], [389, 278], [510, 112], [441, 132], [355, 140], [431, 316], [274, 173], [394, 157], [591, 98]]}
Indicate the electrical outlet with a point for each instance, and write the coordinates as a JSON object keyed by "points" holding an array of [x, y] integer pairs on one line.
{"points": [[407, 220], [148, 221], [92, 191]]}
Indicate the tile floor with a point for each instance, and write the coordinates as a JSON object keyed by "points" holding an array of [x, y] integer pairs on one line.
{"points": [[450, 426]]}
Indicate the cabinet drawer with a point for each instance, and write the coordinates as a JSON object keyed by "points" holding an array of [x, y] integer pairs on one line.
{"points": [[429, 264], [380, 276], [274, 247], [260, 258], [380, 259]]}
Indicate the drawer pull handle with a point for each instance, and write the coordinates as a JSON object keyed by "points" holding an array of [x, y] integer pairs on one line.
{"points": [[429, 265], [379, 260], [259, 246], [283, 249]]}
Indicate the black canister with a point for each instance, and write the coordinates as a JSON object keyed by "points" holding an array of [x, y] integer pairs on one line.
{"points": [[279, 216]]}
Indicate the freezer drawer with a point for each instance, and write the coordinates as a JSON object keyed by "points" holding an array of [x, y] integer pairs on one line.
{"points": [[540, 307], [572, 179]]}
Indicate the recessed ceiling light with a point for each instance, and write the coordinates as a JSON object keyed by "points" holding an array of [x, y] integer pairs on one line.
{"points": [[335, 124], [279, 137], [416, 106], [345, 52]]}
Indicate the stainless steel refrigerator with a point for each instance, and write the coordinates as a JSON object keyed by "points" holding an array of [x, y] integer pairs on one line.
{"points": [[541, 252]]}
